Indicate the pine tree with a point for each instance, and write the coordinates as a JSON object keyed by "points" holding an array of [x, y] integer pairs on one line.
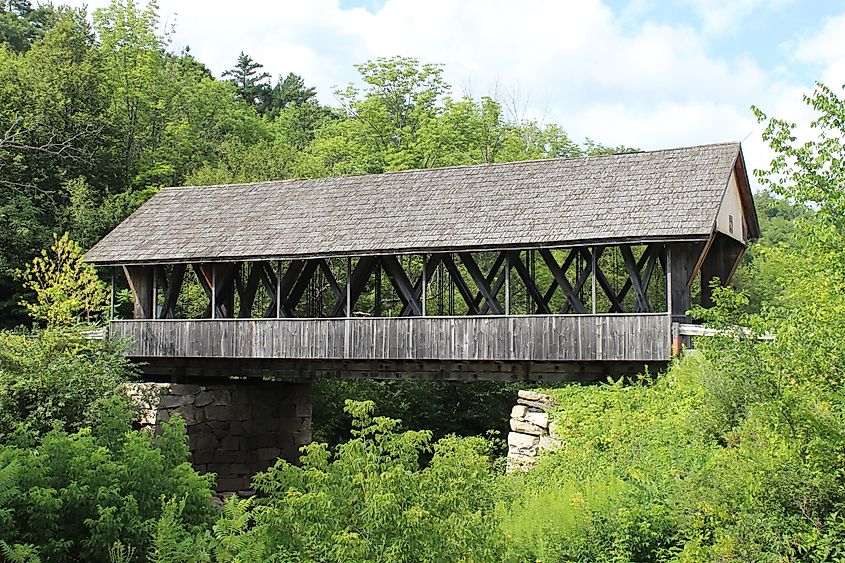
{"points": [[250, 83]]}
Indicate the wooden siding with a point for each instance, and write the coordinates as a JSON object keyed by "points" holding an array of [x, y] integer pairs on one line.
{"points": [[577, 338]]}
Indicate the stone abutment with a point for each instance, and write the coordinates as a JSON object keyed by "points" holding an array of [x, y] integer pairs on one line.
{"points": [[235, 429]]}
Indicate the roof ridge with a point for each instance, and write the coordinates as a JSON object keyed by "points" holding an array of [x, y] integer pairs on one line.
{"points": [[413, 171]]}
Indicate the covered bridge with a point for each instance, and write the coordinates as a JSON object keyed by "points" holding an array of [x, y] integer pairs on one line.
{"points": [[550, 269]]}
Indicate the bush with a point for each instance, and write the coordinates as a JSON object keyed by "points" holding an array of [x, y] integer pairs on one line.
{"points": [[51, 379], [369, 500], [78, 494], [737, 453]]}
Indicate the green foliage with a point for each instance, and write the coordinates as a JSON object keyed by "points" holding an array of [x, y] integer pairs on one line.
{"points": [[50, 379], [97, 495], [810, 172], [67, 290], [445, 407], [736, 454], [250, 83], [369, 500], [21, 24], [764, 275]]}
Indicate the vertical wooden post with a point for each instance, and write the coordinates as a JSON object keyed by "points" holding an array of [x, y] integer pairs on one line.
{"points": [[278, 289], [424, 284], [111, 297], [141, 284], [213, 292], [668, 265], [680, 262], [593, 277], [507, 283], [348, 287], [154, 312]]}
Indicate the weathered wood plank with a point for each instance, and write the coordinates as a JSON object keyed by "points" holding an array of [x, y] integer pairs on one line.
{"points": [[629, 337]]}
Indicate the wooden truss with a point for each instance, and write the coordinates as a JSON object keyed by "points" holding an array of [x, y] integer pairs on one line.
{"points": [[567, 281]]}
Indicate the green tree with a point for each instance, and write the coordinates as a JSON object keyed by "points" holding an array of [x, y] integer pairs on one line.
{"points": [[810, 172], [55, 380], [289, 91], [67, 289], [81, 494], [399, 97], [50, 118], [21, 24], [251, 84]]}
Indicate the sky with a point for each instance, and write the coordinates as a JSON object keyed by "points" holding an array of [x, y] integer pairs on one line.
{"points": [[643, 73]]}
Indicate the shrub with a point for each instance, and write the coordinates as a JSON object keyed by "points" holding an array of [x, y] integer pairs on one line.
{"points": [[368, 500], [78, 494], [52, 379]]}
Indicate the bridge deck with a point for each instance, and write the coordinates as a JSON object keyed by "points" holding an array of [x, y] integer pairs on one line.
{"points": [[390, 347]]}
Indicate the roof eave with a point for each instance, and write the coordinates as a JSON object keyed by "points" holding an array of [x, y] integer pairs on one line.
{"points": [[701, 237]]}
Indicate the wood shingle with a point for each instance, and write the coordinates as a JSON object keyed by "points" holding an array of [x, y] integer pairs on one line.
{"points": [[670, 194]]}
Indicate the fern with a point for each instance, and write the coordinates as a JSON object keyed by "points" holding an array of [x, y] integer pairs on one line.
{"points": [[19, 553], [172, 541], [8, 491]]}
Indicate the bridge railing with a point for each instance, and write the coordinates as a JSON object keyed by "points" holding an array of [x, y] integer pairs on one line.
{"points": [[583, 338]]}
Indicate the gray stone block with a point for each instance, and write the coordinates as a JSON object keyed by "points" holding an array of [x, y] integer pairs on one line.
{"points": [[223, 456], [203, 398], [303, 408], [192, 415], [222, 397], [534, 405], [519, 441], [219, 413], [534, 396], [258, 440], [203, 442], [526, 427], [230, 443], [540, 419], [202, 457], [173, 401], [268, 454], [183, 389]]}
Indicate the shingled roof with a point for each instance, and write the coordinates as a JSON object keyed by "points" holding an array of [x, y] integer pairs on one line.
{"points": [[660, 195]]}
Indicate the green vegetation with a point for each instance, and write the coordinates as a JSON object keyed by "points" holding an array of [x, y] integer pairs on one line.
{"points": [[736, 453]]}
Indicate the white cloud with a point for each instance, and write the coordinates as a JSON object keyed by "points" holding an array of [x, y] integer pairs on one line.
{"points": [[650, 86], [827, 49]]}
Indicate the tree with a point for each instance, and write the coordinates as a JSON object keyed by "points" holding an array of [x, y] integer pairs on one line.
{"points": [[51, 129], [250, 83], [367, 500], [813, 172], [21, 24], [67, 289], [399, 98], [291, 90]]}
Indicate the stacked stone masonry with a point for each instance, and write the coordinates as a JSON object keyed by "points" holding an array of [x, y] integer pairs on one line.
{"points": [[235, 429], [531, 431]]}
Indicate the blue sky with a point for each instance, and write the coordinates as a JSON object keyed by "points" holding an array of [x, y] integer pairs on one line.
{"points": [[763, 33], [644, 73]]}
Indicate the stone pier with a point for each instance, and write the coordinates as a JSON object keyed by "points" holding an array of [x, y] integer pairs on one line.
{"points": [[531, 430], [235, 429]]}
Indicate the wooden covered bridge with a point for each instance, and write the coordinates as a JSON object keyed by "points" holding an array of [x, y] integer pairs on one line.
{"points": [[545, 269]]}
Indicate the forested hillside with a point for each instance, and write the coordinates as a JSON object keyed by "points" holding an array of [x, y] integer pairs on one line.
{"points": [[736, 453]]}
